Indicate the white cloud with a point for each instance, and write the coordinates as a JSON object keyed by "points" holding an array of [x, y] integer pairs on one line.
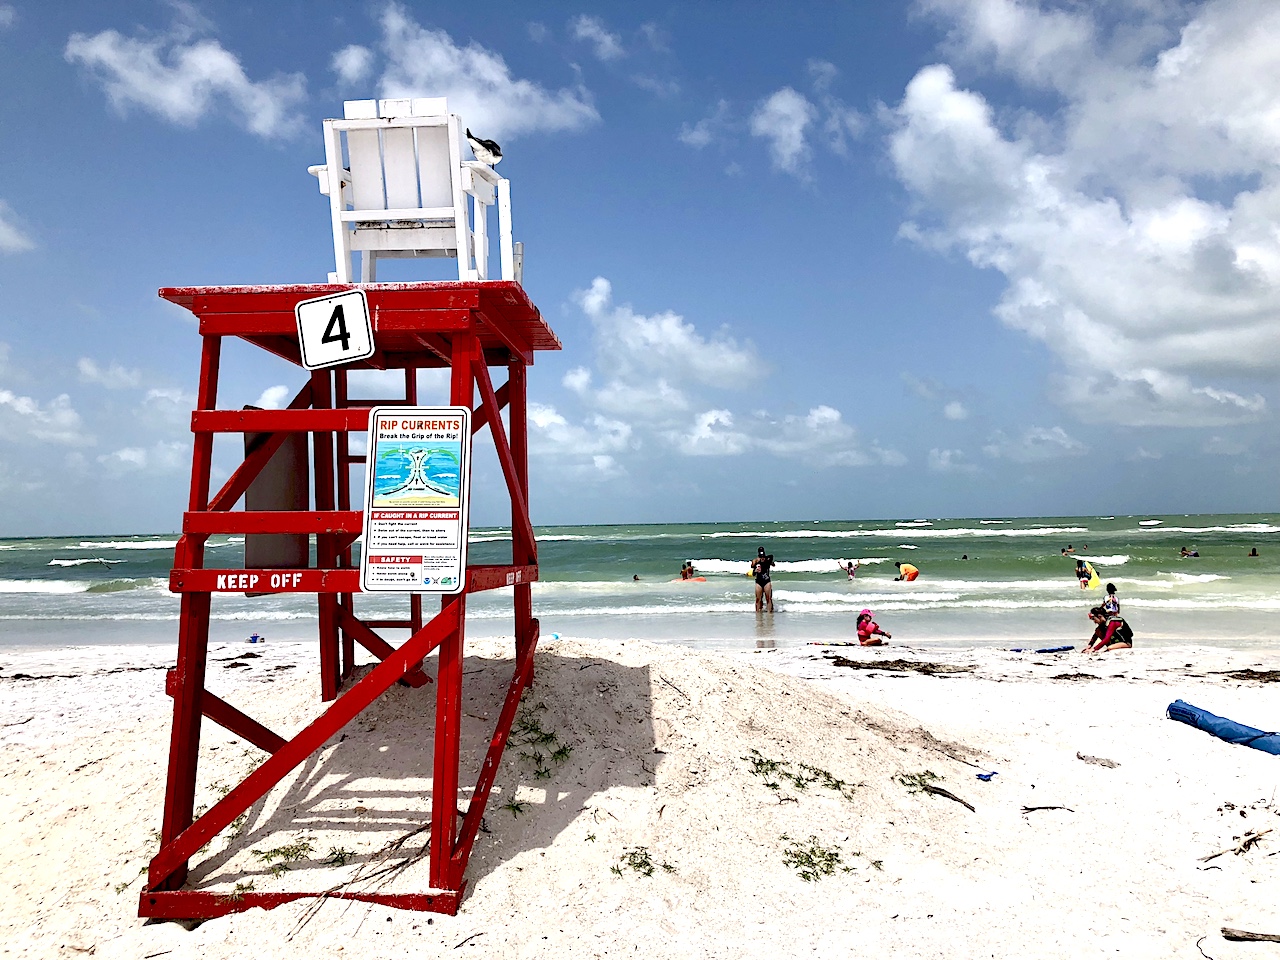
{"points": [[537, 31], [659, 86], [353, 64], [655, 383], [605, 45], [22, 418], [8, 16], [590, 445], [636, 348], [955, 410], [427, 63], [274, 398], [13, 239], [1134, 218], [180, 77], [163, 457], [950, 461], [707, 129], [114, 377], [1036, 444], [783, 119]]}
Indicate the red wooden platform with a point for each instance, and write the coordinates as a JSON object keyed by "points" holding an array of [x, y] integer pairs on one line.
{"points": [[468, 327]]}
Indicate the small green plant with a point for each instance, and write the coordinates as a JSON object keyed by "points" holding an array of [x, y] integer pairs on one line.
{"points": [[338, 857], [236, 895], [122, 887], [641, 861], [615, 869], [279, 858], [238, 824], [561, 753], [591, 838], [811, 859], [516, 807], [775, 771], [917, 782]]}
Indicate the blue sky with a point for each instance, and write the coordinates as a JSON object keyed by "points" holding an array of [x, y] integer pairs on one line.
{"points": [[945, 258]]}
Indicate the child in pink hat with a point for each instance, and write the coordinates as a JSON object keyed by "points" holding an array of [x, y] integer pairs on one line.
{"points": [[869, 632]]}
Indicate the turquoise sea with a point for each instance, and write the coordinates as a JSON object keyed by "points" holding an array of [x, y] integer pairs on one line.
{"points": [[1015, 589]]}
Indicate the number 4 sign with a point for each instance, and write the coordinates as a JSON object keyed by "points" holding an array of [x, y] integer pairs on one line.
{"points": [[334, 330]]}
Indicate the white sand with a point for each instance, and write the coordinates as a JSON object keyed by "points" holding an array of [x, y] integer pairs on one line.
{"points": [[660, 739]]}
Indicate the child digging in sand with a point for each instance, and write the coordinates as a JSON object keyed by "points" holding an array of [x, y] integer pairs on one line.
{"points": [[869, 632]]}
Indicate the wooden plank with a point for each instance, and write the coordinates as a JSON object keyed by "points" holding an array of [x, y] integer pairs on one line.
{"points": [[278, 421], [273, 521]]}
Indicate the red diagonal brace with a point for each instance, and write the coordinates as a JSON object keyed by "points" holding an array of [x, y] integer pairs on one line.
{"points": [[174, 855], [520, 512], [360, 632], [489, 771]]}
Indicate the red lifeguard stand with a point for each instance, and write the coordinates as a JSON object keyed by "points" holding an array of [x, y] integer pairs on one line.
{"points": [[469, 326]]}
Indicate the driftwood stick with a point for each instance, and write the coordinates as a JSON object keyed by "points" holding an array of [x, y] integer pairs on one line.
{"points": [[1230, 933], [1033, 809], [943, 792], [1247, 841]]}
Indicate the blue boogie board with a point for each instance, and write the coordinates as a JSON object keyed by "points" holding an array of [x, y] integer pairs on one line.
{"points": [[1224, 729]]}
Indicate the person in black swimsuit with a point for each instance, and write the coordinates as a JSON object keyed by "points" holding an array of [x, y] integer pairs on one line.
{"points": [[764, 587]]}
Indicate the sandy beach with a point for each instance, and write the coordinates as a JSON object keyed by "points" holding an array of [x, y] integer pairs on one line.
{"points": [[696, 790]]}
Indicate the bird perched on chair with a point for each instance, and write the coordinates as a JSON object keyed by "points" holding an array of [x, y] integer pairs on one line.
{"points": [[486, 151]]}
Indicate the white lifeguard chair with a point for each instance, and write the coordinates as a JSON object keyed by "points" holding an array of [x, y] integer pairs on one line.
{"points": [[403, 190]]}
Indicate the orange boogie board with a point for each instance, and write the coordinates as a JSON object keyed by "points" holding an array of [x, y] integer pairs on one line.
{"points": [[689, 580]]}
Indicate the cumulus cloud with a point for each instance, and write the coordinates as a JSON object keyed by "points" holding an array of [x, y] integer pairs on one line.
{"points": [[113, 377], [274, 398], [13, 239], [182, 76], [1034, 445], [8, 16], [955, 410], [604, 44], [637, 348], [783, 119], [25, 419], [421, 62], [706, 130], [353, 63], [163, 457], [660, 383], [949, 461], [1133, 213]]}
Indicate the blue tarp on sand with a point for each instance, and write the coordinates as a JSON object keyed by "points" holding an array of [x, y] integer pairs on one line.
{"points": [[1223, 728]]}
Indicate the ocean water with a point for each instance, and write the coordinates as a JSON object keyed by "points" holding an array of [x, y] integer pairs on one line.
{"points": [[1014, 589]]}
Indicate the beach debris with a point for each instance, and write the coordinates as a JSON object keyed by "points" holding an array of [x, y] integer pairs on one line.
{"points": [[675, 688], [1243, 843], [986, 777], [1062, 649], [466, 940], [923, 783], [1097, 761], [902, 666], [1048, 807], [1231, 933], [1074, 676], [1248, 673], [641, 861]]}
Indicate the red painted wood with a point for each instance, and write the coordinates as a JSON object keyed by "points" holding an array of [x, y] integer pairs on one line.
{"points": [[274, 521], [200, 904]]}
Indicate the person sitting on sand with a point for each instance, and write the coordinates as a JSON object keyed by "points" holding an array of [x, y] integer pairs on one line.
{"points": [[906, 571], [1109, 633], [764, 585], [851, 569], [869, 632]]}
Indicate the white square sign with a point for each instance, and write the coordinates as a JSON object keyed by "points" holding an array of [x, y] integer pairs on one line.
{"points": [[334, 330]]}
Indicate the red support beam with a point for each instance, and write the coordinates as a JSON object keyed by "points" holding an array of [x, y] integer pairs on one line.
{"points": [[466, 326]]}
